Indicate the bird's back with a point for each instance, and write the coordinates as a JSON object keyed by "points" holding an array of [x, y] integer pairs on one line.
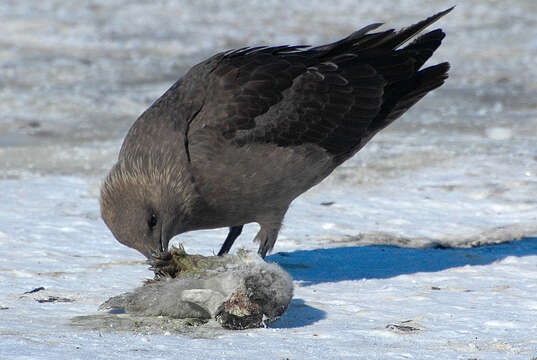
{"points": [[345, 92], [265, 124]]}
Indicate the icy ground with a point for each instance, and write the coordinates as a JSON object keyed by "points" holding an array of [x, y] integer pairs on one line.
{"points": [[411, 250]]}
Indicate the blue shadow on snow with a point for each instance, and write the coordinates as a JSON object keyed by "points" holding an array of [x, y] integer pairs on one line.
{"points": [[381, 262], [297, 315]]}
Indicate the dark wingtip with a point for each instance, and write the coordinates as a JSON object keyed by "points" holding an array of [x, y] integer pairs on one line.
{"points": [[405, 34], [447, 11], [348, 40], [435, 74], [437, 16], [431, 19]]}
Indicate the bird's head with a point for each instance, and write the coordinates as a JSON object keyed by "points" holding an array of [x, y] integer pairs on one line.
{"points": [[145, 204]]}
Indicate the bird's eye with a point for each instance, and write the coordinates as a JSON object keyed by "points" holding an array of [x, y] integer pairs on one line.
{"points": [[152, 222]]}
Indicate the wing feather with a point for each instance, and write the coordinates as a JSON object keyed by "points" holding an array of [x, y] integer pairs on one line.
{"points": [[335, 96]]}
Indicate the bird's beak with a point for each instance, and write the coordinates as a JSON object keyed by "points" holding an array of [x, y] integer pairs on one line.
{"points": [[161, 245], [160, 248], [166, 234]]}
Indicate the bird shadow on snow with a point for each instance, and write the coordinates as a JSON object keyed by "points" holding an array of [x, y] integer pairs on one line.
{"points": [[381, 262], [297, 315]]}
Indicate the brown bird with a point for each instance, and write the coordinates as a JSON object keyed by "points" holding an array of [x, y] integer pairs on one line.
{"points": [[245, 132]]}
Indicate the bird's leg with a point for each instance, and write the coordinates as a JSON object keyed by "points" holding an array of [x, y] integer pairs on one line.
{"points": [[267, 236], [234, 232]]}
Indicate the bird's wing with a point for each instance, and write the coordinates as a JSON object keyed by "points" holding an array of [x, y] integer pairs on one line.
{"points": [[242, 84], [335, 96]]}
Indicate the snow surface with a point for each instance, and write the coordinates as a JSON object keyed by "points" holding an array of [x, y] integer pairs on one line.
{"points": [[406, 251]]}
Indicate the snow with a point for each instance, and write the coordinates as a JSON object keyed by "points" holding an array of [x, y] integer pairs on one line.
{"points": [[422, 246]]}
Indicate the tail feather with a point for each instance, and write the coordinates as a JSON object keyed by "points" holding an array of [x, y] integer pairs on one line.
{"points": [[397, 64], [362, 40], [344, 45], [399, 98], [425, 46]]}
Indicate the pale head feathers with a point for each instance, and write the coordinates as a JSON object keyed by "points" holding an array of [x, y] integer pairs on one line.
{"points": [[161, 176]]}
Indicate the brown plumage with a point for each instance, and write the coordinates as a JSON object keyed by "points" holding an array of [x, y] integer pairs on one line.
{"points": [[245, 132]]}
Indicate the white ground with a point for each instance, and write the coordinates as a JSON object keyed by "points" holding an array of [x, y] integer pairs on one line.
{"points": [[458, 170]]}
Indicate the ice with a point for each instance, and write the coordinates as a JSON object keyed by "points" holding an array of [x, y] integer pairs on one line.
{"points": [[499, 133], [416, 232]]}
